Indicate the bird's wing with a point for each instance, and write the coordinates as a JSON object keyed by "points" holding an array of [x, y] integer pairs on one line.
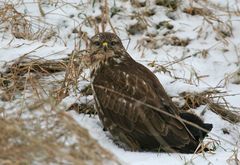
{"points": [[127, 93]]}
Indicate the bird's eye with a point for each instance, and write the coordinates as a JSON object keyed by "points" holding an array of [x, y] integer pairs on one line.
{"points": [[112, 43], [97, 43]]}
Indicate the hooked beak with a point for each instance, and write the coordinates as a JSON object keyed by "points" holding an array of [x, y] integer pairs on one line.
{"points": [[105, 46]]}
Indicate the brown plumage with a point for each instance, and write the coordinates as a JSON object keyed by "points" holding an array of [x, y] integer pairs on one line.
{"points": [[132, 104]]}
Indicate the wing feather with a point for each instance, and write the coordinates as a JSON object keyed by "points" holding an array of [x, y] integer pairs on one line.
{"points": [[121, 86]]}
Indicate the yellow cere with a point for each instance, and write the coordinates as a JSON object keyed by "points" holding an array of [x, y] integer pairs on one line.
{"points": [[105, 44]]}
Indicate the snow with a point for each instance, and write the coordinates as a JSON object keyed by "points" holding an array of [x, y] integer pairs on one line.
{"points": [[213, 59], [144, 158]]}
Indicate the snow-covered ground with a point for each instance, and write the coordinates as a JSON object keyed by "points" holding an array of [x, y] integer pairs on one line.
{"points": [[209, 59]]}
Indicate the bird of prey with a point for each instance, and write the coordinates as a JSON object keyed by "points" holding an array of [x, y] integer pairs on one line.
{"points": [[133, 105]]}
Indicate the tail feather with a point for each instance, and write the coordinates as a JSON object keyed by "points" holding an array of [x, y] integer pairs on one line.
{"points": [[196, 132]]}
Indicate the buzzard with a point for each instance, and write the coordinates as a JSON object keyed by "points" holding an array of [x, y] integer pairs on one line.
{"points": [[134, 107]]}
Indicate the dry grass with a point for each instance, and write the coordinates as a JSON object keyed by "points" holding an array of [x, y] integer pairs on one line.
{"points": [[75, 64], [21, 26], [221, 107], [84, 108], [27, 70], [46, 134], [197, 11], [171, 4], [49, 138], [137, 28]]}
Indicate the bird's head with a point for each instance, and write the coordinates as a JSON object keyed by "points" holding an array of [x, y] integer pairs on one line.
{"points": [[105, 43], [106, 49]]}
